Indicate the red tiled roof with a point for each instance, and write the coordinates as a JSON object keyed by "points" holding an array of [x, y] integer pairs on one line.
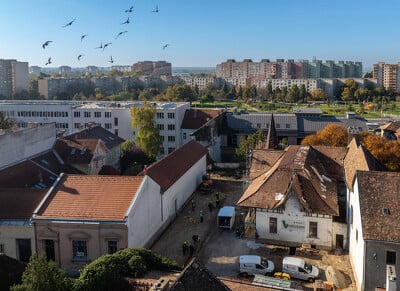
{"points": [[19, 203], [196, 118], [379, 191], [91, 197], [171, 168]]}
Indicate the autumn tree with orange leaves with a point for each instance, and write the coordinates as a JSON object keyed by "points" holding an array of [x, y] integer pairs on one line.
{"points": [[387, 152], [332, 135]]}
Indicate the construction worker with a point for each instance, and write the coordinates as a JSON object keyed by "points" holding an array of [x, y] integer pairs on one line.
{"points": [[184, 248], [201, 216], [193, 205]]}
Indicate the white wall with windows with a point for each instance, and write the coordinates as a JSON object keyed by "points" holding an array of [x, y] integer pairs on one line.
{"points": [[356, 242], [72, 116], [295, 226]]}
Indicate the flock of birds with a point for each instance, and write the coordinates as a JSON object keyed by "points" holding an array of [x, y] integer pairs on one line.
{"points": [[101, 46]]}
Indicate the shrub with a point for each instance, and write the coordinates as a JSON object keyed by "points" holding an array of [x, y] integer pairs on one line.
{"points": [[138, 267], [41, 274]]}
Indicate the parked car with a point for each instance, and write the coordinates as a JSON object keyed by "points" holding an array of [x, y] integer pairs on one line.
{"points": [[300, 269], [251, 265]]}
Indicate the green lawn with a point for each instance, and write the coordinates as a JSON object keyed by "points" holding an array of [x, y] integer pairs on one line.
{"points": [[334, 109]]}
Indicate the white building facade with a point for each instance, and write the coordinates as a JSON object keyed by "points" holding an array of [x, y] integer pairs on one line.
{"points": [[116, 117]]}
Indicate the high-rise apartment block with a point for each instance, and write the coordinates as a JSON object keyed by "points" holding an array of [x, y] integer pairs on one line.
{"points": [[290, 69], [387, 75], [158, 68], [14, 77]]}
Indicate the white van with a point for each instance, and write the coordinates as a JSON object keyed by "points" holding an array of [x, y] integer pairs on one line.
{"points": [[251, 265], [298, 268]]}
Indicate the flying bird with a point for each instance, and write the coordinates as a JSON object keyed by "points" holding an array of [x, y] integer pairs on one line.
{"points": [[46, 44], [122, 32], [48, 62], [156, 10], [165, 46], [79, 57], [69, 23], [99, 47], [129, 10], [106, 45], [83, 36], [126, 21], [111, 60]]}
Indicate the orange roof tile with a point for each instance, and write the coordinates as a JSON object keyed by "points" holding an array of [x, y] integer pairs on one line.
{"points": [[171, 168], [90, 197]]}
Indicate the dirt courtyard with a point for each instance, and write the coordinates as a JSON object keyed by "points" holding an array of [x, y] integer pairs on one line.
{"points": [[218, 249]]}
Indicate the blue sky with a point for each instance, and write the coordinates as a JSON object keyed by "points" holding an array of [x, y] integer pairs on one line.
{"points": [[201, 33]]}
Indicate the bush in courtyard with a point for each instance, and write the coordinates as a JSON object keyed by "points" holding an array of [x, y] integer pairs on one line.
{"points": [[111, 269], [43, 275], [138, 266]]}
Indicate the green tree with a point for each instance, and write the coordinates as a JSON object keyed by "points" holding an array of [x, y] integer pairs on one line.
{"points": [[127, 146], [42, 275], [303, 92], [5, 123], [148, 136], [232, 93], [294, 93], [319, 94], [349, 88], [146, 95], [249, 143], [179, 92]]}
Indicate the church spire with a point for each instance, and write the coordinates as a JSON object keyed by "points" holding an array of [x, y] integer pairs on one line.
{"points": [[272, 138]]}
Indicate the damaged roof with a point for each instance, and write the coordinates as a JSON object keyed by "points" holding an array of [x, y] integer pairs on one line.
{"points": [[302, 169], [379, 196]]}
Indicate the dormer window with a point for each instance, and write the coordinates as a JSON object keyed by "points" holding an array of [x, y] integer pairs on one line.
{"points": [[385, 211]]}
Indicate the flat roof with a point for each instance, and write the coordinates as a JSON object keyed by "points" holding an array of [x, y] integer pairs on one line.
{"points": [[228, 211]]}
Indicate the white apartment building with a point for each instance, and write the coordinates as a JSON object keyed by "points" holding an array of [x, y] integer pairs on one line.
{"points": [[200, 82], [310, 84], [70, 116]]}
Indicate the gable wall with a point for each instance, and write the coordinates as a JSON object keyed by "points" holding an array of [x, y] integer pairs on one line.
{"points": [[356, 246], [293, 226], [144, 217], [183, 189]]}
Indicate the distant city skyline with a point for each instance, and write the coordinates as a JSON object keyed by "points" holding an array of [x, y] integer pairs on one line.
{"points": [[197, 33]]}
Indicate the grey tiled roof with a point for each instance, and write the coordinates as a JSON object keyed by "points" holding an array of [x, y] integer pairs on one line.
{"points": [[311, 125], [252, 122], [288, 122]]}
